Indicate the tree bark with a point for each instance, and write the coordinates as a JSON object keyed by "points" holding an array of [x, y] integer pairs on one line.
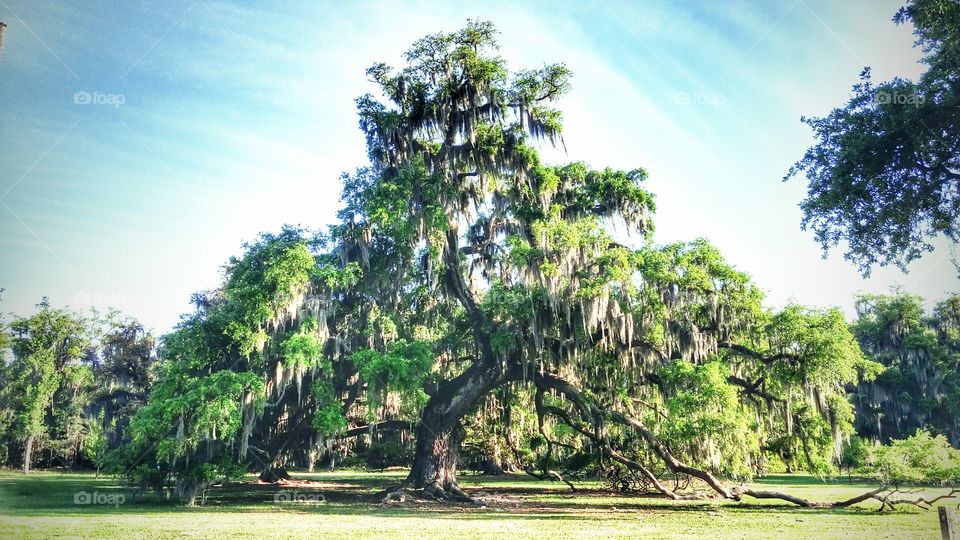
{"points": [[440, 432], [27, 454], [435, 461]]}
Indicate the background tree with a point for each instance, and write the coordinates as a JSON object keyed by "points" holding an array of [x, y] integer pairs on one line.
{"points": [[123, 376], [920, 459], [884, 175], [248, 380], [920, 387], [64, 384], [47, 349], [7, 395]]}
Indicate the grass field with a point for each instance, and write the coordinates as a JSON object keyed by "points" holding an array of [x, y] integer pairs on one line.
{"points": [[43, 505]]}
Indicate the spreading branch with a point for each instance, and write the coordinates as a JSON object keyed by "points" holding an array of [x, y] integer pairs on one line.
{"points": [[591, 415]]}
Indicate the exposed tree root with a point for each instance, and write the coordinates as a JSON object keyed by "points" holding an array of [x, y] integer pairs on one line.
{"points": [[431, 492], [272, 475]]}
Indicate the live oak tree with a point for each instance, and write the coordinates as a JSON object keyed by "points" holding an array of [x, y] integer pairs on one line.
{"points": [[464, 237], [255, 378], [884, 175], [211, 383], [467, 280], [123, 373]]}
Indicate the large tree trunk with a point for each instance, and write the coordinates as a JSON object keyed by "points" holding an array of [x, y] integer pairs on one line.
{"points": [[27, 454], [435, 461], [492, 465], [440, 433], [189, 490]]}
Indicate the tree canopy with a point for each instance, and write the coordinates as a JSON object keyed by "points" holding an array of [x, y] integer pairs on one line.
{"points": [[884, 174]]}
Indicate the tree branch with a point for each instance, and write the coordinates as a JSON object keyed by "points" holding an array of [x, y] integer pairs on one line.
{"points": [[378, 426], [746, 351], [753, 389]]}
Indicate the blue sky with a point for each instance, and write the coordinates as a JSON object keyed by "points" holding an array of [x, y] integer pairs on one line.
{"points": [[141, 143]]}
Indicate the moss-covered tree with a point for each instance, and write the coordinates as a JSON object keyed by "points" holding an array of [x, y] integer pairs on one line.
{"points": [[469, 286], [464, 236], [920, 387]]}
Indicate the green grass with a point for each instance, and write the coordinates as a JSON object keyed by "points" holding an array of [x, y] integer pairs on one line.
{"points": [[42, 505]]}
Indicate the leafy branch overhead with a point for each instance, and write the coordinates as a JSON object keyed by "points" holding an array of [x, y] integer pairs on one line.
{"points": [[884, 174]]}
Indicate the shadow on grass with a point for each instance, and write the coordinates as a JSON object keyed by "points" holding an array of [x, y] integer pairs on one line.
{"points": [[794, 480], [65, 494]]}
